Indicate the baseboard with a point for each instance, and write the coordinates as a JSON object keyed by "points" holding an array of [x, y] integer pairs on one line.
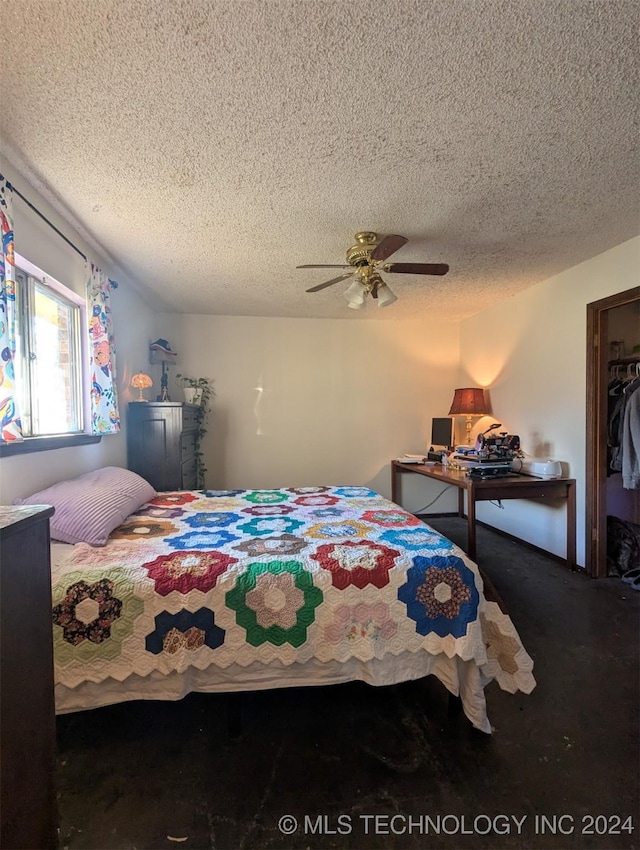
{"points": [[531, 546]]}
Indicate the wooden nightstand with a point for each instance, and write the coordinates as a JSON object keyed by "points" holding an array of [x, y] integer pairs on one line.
{"points": [[27, 707]]}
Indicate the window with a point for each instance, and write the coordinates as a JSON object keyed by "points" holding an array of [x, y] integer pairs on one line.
{"points": [[49, 354]]}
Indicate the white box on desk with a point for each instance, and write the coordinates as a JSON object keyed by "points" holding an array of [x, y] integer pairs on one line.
{"points": [[545, 469]]}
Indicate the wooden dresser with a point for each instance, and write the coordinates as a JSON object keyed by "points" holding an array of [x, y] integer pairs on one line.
{"points": [[161, 443], [27, 706]]}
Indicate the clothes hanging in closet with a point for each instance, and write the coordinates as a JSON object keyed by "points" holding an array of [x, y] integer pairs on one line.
{"points": [[631, 441], [615, 402], [624, 431]]}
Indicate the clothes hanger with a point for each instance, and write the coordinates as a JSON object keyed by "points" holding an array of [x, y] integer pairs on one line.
{"points": [[615, 383], [631, 383]]}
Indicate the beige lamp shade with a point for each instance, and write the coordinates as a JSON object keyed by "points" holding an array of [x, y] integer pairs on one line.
{"points": [[141, 382]]}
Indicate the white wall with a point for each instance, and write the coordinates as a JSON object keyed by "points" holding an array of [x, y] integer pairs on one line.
{"points": [[302, 401], [311, 401], [134, 325], [531, 352]]}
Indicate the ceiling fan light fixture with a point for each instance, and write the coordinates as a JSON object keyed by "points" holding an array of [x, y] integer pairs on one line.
{"points": [[364, 260], [385, 296], [355, 294]]}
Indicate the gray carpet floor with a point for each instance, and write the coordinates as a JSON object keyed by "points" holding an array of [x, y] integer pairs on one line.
{"points": [[362, 767]]}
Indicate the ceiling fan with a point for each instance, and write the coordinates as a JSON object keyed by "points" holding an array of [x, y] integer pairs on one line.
{"points": [[365, 261]]}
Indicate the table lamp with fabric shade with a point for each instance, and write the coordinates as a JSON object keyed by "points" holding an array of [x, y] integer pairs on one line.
{"points": [[469, 402]]}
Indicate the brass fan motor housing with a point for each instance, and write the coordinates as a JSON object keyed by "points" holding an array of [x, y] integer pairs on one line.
{"points": [[366, 259], [360, 254]]}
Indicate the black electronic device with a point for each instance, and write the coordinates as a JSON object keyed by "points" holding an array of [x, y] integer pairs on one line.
{"points": [[442, 432], [497, 447], [501, 441], [486, 471], [477, 459]]}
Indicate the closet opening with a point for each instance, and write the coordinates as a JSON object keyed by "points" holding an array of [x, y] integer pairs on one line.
{"points": [[613, 376]]}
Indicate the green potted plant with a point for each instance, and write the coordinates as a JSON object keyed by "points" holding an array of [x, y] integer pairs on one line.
{"points": [[202, 393], [189, 387]]}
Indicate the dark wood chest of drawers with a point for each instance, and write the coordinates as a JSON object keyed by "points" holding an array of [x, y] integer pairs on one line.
{"points": [[27, 708], [161, 443]]}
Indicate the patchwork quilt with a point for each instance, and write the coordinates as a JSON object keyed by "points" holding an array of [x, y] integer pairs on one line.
{"points": [[208, 579]]}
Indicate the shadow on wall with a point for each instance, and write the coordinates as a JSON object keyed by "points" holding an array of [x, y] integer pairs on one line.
{"points": [[540, 447], [216, 447]]}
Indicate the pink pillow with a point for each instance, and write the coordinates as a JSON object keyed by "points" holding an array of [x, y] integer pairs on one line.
{"points": [[89, 507]]}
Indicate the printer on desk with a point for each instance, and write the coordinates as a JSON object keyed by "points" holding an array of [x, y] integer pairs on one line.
{"points": [[492, 455], [498, 456], [505, 449]]}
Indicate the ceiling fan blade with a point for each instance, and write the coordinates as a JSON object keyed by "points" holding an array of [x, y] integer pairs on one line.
{"points": [[320, 286], [389, 245], [343, 266], [417, 268]]}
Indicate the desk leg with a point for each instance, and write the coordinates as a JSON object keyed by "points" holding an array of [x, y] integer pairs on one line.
{"points": [[460, 501], [394, 484], [471, 524], [571, 525]]}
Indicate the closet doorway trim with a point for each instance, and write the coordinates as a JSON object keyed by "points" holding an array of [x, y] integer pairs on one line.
{"points": [[596, 461]]}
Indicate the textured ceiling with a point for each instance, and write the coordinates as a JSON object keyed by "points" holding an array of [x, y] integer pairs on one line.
{"points": [[210, 147]]}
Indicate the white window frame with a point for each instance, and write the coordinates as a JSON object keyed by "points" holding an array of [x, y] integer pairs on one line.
{"points": [[81, 364]]}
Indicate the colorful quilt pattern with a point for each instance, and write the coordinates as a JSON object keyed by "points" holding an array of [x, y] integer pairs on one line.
{"points": [[240, 577]]}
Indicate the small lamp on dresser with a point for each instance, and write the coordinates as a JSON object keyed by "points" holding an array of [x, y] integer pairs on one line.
{"points": [[141, 382]]}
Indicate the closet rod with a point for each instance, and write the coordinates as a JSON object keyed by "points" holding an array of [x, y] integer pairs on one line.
{"points": [[51, 225]]}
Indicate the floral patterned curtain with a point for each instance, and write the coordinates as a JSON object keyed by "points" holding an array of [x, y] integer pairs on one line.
{"points": [[105, 418], [10, 423]]}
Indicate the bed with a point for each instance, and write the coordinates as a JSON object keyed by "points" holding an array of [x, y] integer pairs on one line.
{"points": [[233, 590]]}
